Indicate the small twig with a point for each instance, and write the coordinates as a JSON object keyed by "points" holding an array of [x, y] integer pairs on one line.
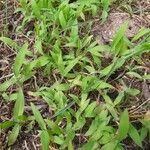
{"points": [[140, 106], [7, 76]]}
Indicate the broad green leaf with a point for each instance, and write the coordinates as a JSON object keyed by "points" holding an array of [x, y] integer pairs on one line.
{"points": [[87, 41], [89, 111], [84, 104], [70, 135], [106, 138], [91, 145], [63, 109], [132, 91], [140, 33], [92, 127], [38, 46], [70, 146], [19, 104], [146, 77], [59, 140], [112, 111], [37, 63], [11, 97], [71, 65], [6, 124], [107, 99], [134, 74], [120, 34], [104, 16], [14, 134], [11, 43], [119, 98], [135, 135], [35, 8], [38, 117], [112, 67], [106, 70], [45, 139], [143, 133], [74, 30], [123, 126], [96, 50], [62, 19], [20, 58], [104, 85], [4, 86], [54, 127], [110, 146]]}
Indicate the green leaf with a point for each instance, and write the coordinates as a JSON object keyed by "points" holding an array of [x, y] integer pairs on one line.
{"points": [[134, 74], [135, 135], [74, 30], [38, 46], [91, 145], [92, 127], [14, 134], [6, 124], [59, 140], [20, 59], [104, 85], [140, 33], [106, 138], [132, 91], [63, 109], [112, 111], [19, 105], [143, 133], [35, 8], [123, 126], [146, 77], [4, 86], [110, 146], [62, 19], [120, 34], [107, 99], [11, 43], [96, 50], [71, 65], [119, 98], [54, 126], [89, 111], [45, 139], [38, 117]]}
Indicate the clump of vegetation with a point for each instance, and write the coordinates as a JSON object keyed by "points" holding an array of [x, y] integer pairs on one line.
{"points": [[80, 112]]}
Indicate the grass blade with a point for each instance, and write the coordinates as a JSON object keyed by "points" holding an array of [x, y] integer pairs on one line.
{"points": [[13, 135], [135, 135], [38, 117], [19, 105], [45, 140], [123, 126], [20, 59]]}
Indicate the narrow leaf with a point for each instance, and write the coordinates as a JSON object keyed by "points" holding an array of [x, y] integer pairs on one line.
{"points": [[20, 59], [38, 117], [123, 126], [4, 86], [11, 43], [135, 135], [45, 139], [62, 19], [19, 105], [13, 135]]}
